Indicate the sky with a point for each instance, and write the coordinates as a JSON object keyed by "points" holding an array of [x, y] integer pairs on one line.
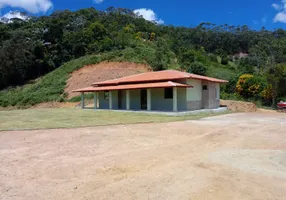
{"points": [[255, 13]]}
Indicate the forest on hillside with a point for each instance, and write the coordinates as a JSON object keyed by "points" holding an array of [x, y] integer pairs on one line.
{"points": [[253, 61]]}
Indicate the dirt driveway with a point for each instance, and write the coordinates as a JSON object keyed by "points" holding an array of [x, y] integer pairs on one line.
{"points": [[237, 156]]}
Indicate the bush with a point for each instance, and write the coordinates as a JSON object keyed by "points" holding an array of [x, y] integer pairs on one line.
{"points": [[249, 86]]}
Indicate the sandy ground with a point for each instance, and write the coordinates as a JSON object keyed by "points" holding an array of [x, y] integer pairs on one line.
{"points": [[236, 156]]}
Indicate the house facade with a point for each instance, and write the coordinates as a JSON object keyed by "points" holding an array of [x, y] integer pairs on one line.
{"points": [[168, 90]]}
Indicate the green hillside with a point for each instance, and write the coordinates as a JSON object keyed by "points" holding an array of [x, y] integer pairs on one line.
{"points": [[38, 55]]}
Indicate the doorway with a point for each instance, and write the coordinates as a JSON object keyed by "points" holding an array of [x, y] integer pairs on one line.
{"points": [[143, 94]]}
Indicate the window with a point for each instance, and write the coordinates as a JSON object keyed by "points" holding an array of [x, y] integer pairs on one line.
{"points": [[205, 87], [106, 95], [168, 93]]}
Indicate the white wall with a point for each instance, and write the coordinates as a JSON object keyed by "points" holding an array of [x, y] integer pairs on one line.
{"points": [[195, 93], [217, 86]]}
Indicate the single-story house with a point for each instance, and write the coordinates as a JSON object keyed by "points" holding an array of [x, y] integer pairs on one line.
{"points": [[168, 90]]}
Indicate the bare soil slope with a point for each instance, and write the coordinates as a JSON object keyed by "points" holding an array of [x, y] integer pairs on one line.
{"points": [[239, 156], [239, 106], [89, 74]]}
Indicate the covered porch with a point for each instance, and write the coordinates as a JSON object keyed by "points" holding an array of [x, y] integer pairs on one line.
{"points": [[157, 97]]}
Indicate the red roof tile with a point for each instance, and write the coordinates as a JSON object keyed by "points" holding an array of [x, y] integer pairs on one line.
{"points": [[167, 84], [166, 75]]}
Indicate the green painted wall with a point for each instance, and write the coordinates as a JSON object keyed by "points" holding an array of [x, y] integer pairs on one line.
{"points": [[182, 99], [135, 100], [103, 103], [158, 102]]}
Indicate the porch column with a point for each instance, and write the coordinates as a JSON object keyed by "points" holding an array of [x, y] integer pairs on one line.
{"points": [[95, 100], [82, 100], [175, 100], [127, 99], [148, 99], [110, 99]]}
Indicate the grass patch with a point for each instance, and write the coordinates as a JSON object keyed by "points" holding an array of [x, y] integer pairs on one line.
{"points": [[71, 118]]}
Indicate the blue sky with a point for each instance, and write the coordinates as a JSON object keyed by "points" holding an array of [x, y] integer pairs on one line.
{"points": [[254, 13]]}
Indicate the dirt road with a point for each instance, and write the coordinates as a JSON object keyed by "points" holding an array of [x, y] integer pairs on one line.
{"points": [[237, 156]]}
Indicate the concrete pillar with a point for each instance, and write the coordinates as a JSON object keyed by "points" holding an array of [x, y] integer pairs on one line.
{"points": [[127, 99], [95, 100], [148, 99], [82, 100], [110, 99], [175, 99]]}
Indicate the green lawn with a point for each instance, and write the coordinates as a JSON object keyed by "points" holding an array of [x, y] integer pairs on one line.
{"points": [[71, 118]]}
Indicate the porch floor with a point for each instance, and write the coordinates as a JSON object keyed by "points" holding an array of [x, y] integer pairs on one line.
{"points": [[170, 113]]}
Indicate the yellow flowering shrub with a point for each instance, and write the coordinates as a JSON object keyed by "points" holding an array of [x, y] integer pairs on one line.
{"points": [[249, 85]]}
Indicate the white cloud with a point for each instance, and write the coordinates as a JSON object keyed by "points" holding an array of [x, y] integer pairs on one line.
{"points": [[98, 1], [149, 15], [33, 6], [280, 16], [276, 6]]}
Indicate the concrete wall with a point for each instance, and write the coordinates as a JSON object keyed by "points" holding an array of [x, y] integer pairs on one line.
{"points": [[182, 96], [158, 102], [188, 98], [114, 99], [104, 103], [123, 99], [211, 96], [135, 100], [217, 86], [194, 95]]}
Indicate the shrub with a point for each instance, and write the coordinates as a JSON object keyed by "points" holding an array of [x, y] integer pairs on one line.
{"points": [[249, 86]]}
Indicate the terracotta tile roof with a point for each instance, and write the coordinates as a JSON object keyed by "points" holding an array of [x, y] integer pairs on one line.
{"points": [[166, 75], [167, 84]]}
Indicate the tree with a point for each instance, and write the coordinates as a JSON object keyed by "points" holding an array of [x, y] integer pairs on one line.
{"points": [[276, 79], [197, 68], [161, 56]]}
